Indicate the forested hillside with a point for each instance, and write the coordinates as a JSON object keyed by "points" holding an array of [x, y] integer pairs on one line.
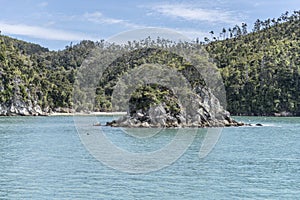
{"points": [[35, 81], [261, 70]]}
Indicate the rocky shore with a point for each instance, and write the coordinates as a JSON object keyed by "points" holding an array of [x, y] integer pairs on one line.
{"points": [[29, 108], [19, 108], [202, 109], [157, 116]]}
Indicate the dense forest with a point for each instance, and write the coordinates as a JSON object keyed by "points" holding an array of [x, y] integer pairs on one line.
{"points": [[31, 75], [261, 70]]}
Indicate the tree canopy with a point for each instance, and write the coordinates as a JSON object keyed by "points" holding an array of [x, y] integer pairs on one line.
{"points": [[260, 68]]}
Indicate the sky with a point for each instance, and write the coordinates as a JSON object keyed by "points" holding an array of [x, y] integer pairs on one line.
{"points": [[56, 23]]}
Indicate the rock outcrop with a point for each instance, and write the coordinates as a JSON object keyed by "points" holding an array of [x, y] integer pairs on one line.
{"points": [[164, 90], [203, 110], [21, 108]]}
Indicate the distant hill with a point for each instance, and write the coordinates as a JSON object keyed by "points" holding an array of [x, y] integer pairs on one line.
{"points": [[24, 47], [261, 70]]}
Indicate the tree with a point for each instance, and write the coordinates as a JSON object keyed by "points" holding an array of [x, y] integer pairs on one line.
{"points": [[257, 25], [230, 31], [244, 28], [212, 33]]}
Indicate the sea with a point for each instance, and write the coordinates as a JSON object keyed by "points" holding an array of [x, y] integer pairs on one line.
{"points": [[67, 157]]}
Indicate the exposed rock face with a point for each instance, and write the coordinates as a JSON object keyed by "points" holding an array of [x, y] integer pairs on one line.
{"points": [[18, 106], [204, 110], [21, 108]]}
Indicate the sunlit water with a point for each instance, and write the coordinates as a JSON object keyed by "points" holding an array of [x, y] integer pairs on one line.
{"points": [[43, 158]]}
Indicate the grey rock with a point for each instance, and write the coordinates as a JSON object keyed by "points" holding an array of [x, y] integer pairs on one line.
{"points": [[181, 119], [23, 111], [196, 119], [145, 125], [202, 109], [156, 111], [38, 110], [139, 115]]}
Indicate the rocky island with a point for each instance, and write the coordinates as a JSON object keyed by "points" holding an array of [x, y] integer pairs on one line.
{"points": [[144, 112], [161, 99]]}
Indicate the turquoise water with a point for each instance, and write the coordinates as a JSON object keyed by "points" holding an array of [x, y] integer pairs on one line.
{"points": [[43, 158]]}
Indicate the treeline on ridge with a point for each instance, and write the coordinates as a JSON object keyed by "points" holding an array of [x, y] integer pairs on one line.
{"points": [[261, 69]]}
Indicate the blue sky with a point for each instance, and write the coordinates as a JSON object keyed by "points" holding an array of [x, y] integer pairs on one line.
{"points": [[55, 24]]}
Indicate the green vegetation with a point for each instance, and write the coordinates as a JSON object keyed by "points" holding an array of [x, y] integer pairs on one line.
{"points": [[35, 76], [261, 69], [154, 94], [132, 59]]}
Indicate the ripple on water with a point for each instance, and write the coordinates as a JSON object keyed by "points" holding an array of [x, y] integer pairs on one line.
{"points": [[43, 158]]}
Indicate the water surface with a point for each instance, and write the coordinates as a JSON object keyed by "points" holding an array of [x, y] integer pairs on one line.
{"points": [[43, 158]]}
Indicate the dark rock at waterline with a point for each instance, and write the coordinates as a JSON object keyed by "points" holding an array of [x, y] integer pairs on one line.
{"points": [[157, 116], [201, 110]]}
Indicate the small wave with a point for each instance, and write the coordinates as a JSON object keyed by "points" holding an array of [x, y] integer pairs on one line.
{"points": [[271, 125]]}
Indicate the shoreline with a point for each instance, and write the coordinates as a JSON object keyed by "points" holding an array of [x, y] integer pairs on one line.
{"points": [[124, 113], [87, 114]]}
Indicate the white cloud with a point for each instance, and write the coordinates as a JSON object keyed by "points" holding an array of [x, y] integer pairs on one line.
{"points": [[192, 13], [99, 18], [41, 32], [43, 4]]}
